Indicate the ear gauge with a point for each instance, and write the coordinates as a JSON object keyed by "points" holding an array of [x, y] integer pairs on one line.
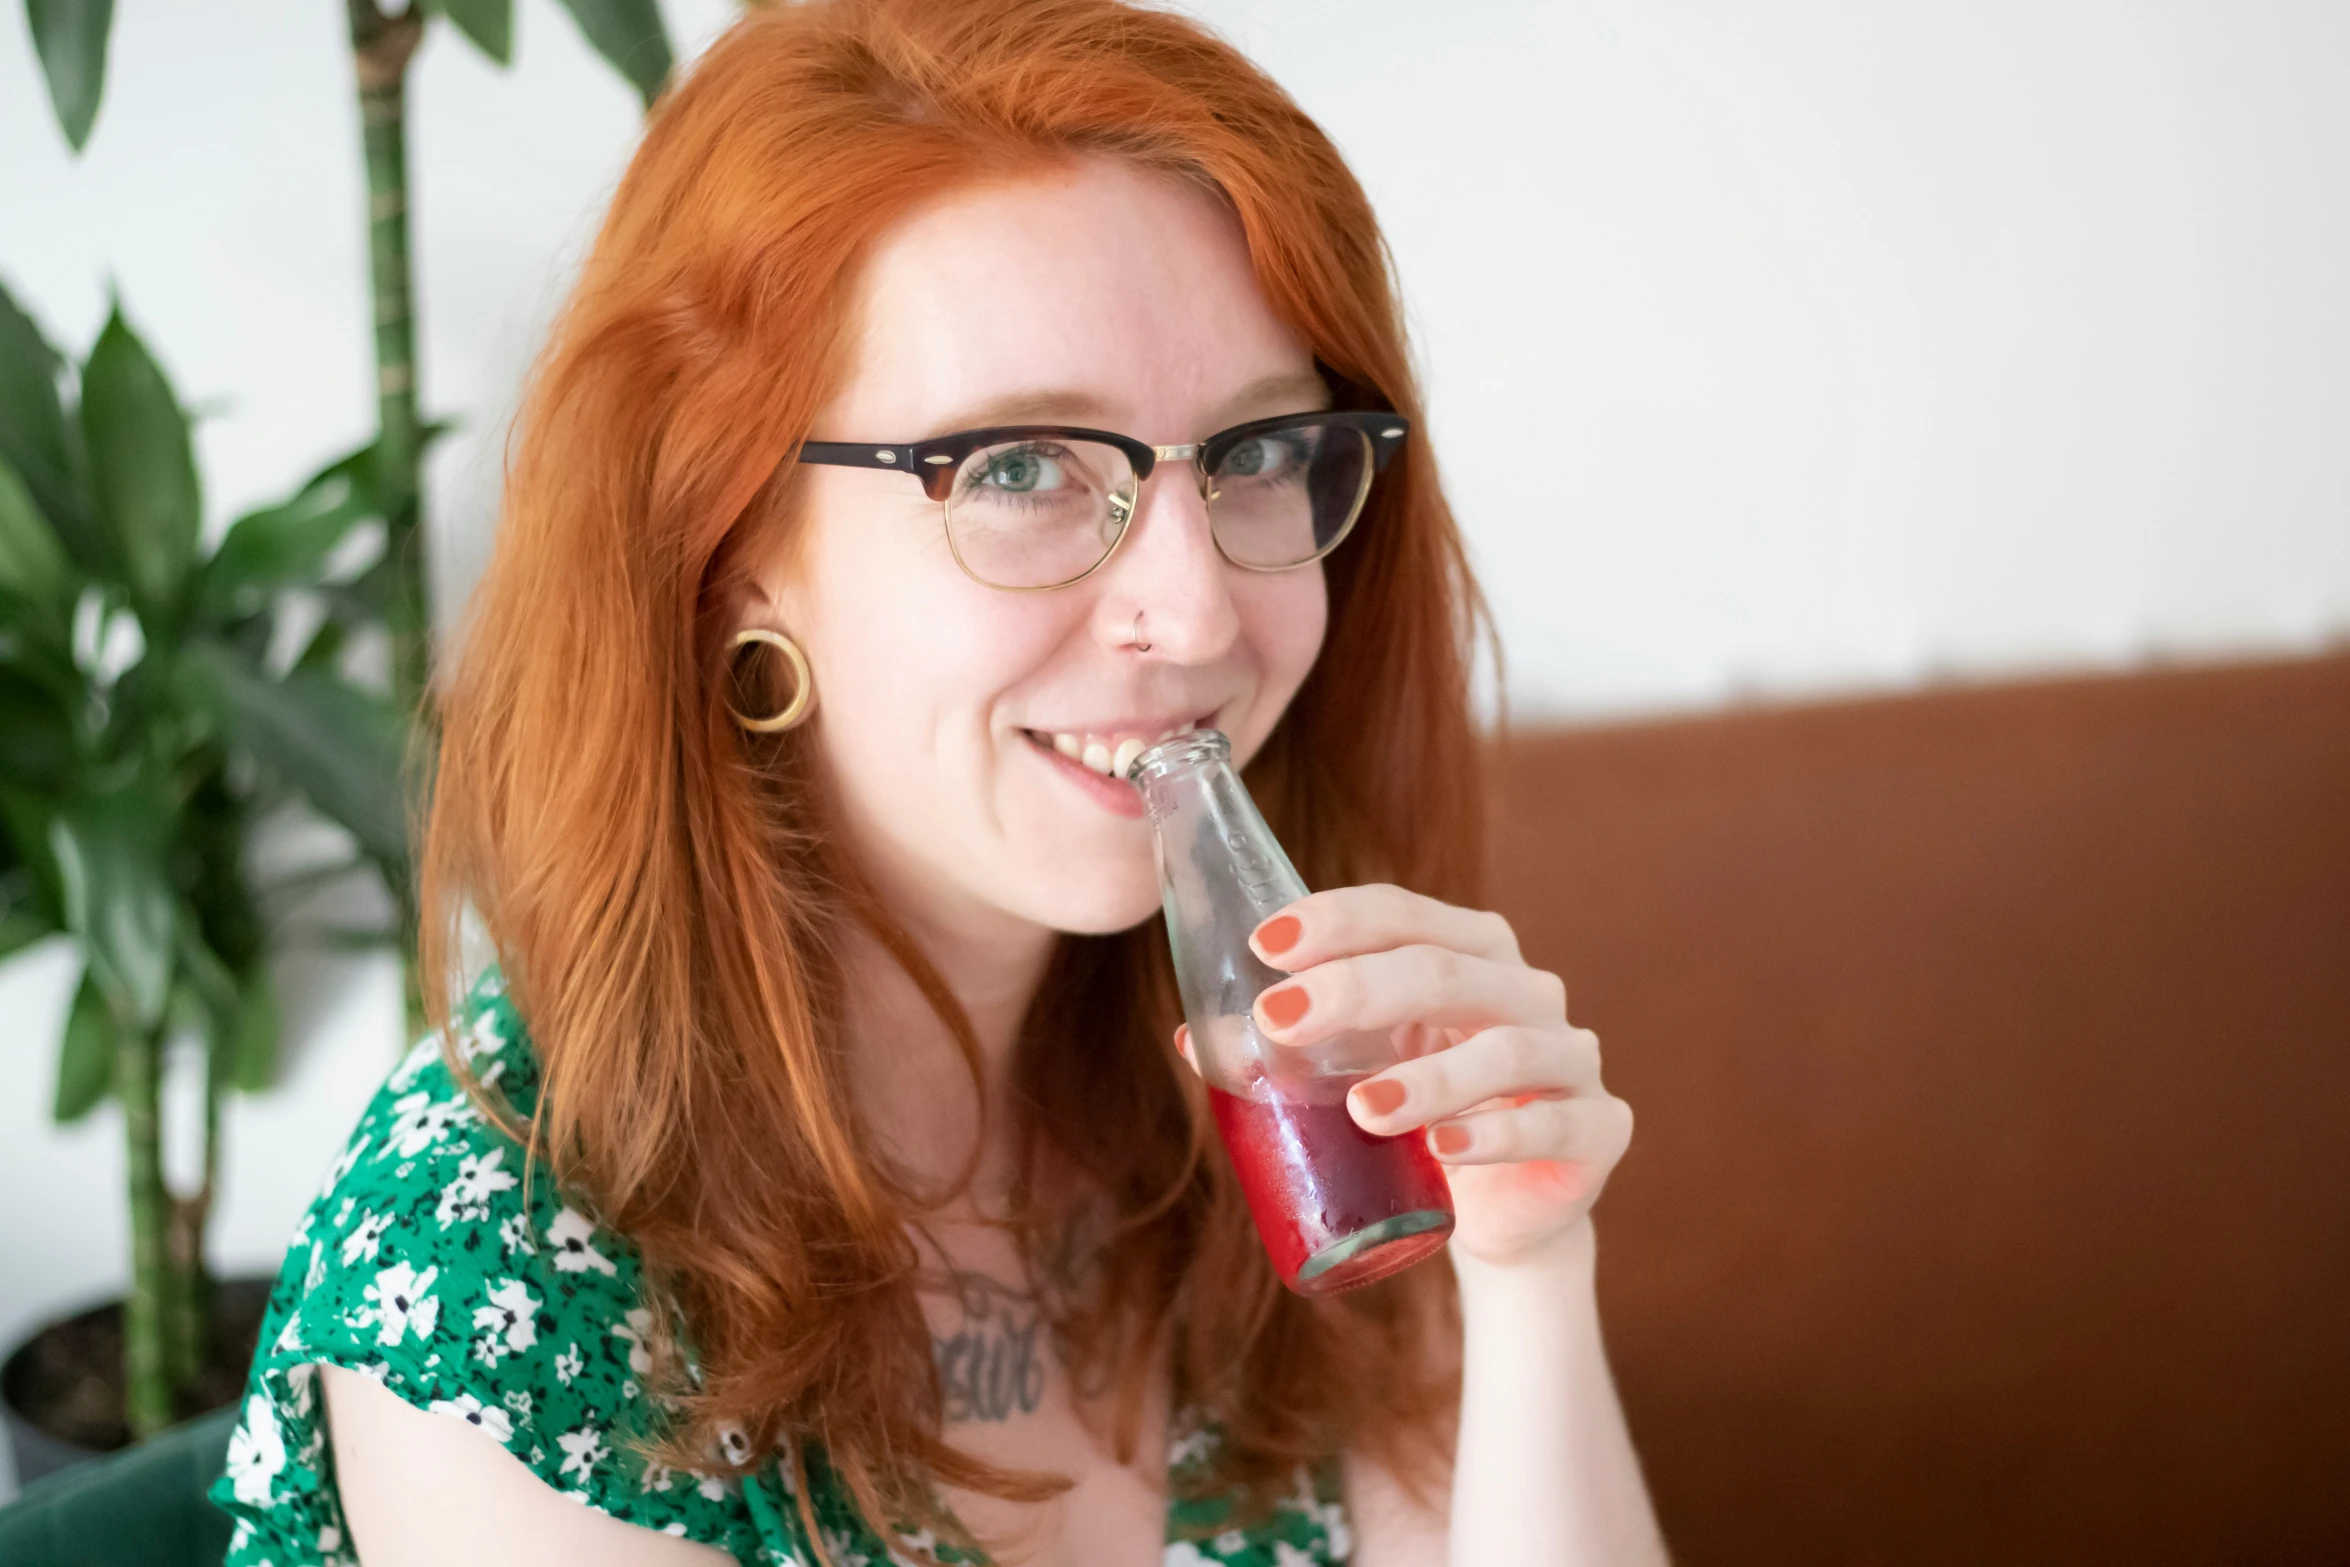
{"points": [[803, 698]]}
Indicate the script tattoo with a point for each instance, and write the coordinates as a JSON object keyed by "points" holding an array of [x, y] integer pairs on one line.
{"points": [[993, 1366]]}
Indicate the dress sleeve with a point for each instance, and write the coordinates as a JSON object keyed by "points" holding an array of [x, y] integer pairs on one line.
{"points": [[424, 1265]]}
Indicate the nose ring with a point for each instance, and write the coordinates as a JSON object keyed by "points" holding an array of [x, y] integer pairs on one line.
{"points": [[1140, 646]]}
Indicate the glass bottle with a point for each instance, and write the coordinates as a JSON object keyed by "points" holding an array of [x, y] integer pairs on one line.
{"points": [[1335, 1205]]}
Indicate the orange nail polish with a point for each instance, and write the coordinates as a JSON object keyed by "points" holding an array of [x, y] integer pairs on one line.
{"points": [[1279, 933], [1379, 1096], [1285, 1006], [1450, 1139]]}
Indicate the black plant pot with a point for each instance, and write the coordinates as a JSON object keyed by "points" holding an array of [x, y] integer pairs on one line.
{"points": [[61, 1389]]}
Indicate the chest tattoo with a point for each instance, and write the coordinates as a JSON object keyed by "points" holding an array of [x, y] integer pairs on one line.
{"points": [[992, 1366]]}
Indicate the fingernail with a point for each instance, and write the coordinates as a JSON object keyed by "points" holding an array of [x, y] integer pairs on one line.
{"points": [[1279, 933], [1451, 1137], [1379, 1096], [1285, 1006]]}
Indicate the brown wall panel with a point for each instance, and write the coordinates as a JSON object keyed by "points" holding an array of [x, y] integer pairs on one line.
{"points": [[1991, 1049]]}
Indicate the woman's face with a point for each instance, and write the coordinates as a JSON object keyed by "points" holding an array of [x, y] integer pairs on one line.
{"points": [[1094, 295]]}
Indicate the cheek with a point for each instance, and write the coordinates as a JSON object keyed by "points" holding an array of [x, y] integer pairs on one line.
{"points": [[1283, 617], [910, 654]]}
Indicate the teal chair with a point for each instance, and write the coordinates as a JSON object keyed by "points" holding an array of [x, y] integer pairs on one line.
{"points": [[144, 1505]]}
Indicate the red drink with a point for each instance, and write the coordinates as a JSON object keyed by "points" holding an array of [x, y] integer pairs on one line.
{"points": [[1335, 1205]]}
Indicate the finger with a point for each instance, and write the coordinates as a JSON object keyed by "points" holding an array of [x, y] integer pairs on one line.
{"points": [[1493, 1063], [1347, 920], [1590, 1131], [1418, 984]]}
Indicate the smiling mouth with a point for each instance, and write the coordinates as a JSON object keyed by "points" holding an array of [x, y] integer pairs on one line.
{"points": [[1111, 754]]}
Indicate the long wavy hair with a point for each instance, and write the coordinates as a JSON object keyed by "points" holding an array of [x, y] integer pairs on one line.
{"points": [[662, 889]]}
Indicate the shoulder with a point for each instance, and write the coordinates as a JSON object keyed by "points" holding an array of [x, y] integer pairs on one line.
{"points": [[443, 1265]]}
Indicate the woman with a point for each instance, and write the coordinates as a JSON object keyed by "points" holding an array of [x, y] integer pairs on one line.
{"points": [[867, 1211]]}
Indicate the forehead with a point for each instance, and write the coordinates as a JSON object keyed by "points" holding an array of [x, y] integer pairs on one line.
{"points": [[1087, 292]]}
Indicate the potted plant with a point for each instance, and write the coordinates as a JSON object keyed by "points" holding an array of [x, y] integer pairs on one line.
{"points": [[151, 714]]}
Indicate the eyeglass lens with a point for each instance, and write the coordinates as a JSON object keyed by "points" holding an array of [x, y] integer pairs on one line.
{"points": [[1041, 511]]}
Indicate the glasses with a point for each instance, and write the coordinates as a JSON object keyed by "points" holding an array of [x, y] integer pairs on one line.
{"points": [[1036, 506]]}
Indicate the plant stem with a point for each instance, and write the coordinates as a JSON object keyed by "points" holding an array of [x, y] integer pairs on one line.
{"points": [[147, 1386], [381, 47]]}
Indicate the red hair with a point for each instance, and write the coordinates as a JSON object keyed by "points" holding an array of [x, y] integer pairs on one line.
{"points": [[662, 890]]}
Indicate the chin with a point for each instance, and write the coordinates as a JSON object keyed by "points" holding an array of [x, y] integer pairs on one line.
{"points": [[1099, 905]]}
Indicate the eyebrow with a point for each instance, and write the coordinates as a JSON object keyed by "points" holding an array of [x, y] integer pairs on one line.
{"points": [[1279, 393]]}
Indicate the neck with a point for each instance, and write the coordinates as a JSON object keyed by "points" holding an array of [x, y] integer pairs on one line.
{"points": [[911, 1076]]}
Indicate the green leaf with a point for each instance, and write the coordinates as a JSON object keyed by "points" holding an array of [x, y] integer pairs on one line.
{"points": [[33, 433], [489, 23], [32, 879], [325, 649], [342, 747], [24, 913], [251, 1056], [283, 546], [141, 469], [209, 979], [628, 33], [32, 562], [85, 1061], [37, 748], [113, 853], [71, 36]]}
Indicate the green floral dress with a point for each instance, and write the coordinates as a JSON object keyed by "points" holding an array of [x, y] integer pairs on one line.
{"points": [[421, 1265]]}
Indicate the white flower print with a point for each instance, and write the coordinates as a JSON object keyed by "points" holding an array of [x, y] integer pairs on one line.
{"points": [[514, 1235], [256, 1453], [478, 1180], [420, 1055], [343, 1164], [510, 1320], [712, 1487], [1342, 1540], [1288, 1555], [1190, 1444], [365, 1239], [482, 1037], [733, 1445], [471, 1410], [419, 1121], [843, 1550], [570, 1234], [1231, 1542], [315, 1275], [656, 1477], [302, 1385], [583, 1449], [633, 1333], [568, 1364], [400, 1302]]}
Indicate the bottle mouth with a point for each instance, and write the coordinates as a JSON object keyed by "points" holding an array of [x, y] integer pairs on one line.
{"points": [[1199, 745]]}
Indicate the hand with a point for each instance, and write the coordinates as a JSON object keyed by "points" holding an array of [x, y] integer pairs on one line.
{"points": [[1506, 1090]]}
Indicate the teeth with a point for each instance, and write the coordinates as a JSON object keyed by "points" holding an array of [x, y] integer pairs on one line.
{"points": [[1109, 755]]}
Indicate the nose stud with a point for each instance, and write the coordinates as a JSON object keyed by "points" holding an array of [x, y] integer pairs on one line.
{"points": [[1140, 646]]}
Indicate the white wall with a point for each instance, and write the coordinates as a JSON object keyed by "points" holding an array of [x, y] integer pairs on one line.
{"points": [[1772, 350]]}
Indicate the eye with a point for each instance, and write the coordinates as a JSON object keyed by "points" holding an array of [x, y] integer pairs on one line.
{"points": [[1023, 470], [1263, 457]]}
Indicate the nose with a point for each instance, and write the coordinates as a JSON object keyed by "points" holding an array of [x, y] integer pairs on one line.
{"points": [[1167, 571]]}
